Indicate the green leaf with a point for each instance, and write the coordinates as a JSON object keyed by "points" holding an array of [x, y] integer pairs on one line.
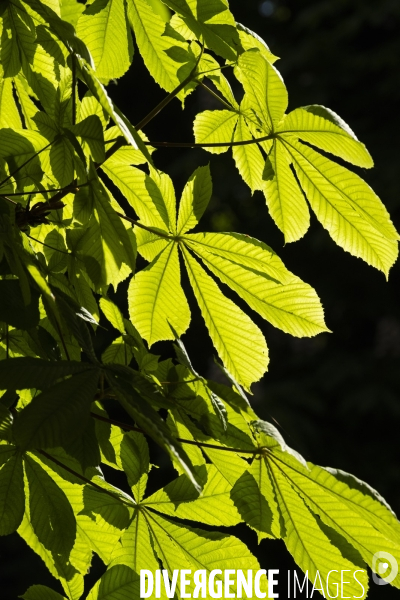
{"points": [[323, 128], [58, 415], [51, 515], [195, 198], [97, 89], [9, 116], [118, 583], [266, 92], [249, 39], [212, 22], [141, 192], [156, 298], [41, 592], [111, 244], [104, 29], [292, 306], [248, 158], [135, 461], [309, 545], [180, 499], [149, 420], [346, 206], [239, 343], [25, 372], [62, 162], [12, 497], [285, 200], [215, 127], [112, 314], [13, 309], [135, 548], [200, 549], [17, 39], [90, 130], [254, 497], [167, 59]]}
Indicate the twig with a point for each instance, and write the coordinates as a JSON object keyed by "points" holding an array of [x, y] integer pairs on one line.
{"points": [[210, 145]]}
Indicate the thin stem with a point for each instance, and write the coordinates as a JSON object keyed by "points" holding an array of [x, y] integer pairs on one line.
{"points": [[210, 145], [181, 440], [134, 222], [170, 96], [83, 478], [73, 89], [47, 245], [210, 91], [62, 340], [71, 188], [25, 163], [6, 198]]}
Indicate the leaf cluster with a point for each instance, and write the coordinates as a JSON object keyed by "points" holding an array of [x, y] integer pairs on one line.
{"points": [[66, 243]]}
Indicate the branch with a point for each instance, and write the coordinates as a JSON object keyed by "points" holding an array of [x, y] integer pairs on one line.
{"points": [[271, 136], [83, 478], [134, 222], [181, 440]]}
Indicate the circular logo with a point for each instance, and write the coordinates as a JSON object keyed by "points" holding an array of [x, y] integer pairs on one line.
{"points": [[387, 567]]}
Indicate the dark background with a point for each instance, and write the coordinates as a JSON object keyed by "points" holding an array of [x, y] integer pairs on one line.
{"points": [[335, 397]]}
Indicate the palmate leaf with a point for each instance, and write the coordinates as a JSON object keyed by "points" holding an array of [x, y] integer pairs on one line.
{"points": [[346, 206], [157, 304], [17, 40], [254, 497], [104, 29]]}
